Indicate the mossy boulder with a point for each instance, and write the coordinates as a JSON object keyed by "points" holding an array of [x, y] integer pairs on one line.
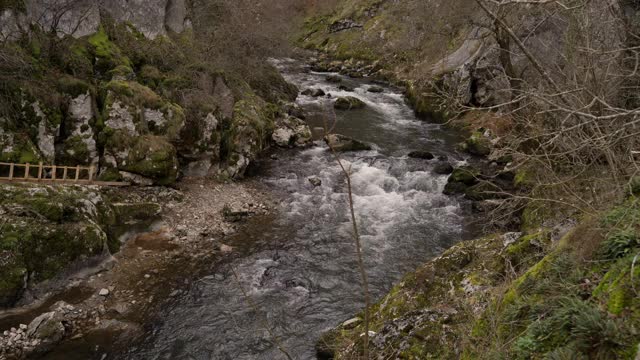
{"points": [[460, 180], [106, 53], [47, 230], [153, 157], [348, 103], [478, 144], [342, 143], [18, 148], [247, 133]]}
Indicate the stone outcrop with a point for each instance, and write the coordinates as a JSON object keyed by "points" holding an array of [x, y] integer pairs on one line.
{"points": [[83, 17], [291, 131]]}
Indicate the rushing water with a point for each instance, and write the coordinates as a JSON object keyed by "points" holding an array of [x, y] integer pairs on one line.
{"points": [[299, 269]]}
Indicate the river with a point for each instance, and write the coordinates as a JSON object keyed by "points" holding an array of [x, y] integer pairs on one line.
{"points": [[298, 270]]}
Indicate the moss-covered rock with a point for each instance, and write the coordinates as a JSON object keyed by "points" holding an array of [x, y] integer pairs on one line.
{"points": [[153, 157], [348, 103], [524, 298], [47, 230], [478, 144]]}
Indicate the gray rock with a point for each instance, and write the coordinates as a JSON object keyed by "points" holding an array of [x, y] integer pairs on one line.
{"points": [[315, 181], [334, 79], [510, 238], [375, 89], [135, 179], [46, 327], [343, 143], [291, 131], [421, 155], [313, 92], [351, 323], [443, 168], [348, 103]]}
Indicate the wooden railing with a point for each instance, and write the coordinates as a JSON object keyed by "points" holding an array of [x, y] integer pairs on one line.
{"points": [[52, 174]]}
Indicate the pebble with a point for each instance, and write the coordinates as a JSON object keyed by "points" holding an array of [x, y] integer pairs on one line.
{"points": [[104, 292], [23, 326]]}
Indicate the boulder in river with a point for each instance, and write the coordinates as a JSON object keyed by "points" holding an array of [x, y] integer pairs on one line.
{"points": [[346, 88], [343, 143], [443, 168], [375, 89], [315, 181], [313, 92], [291, 131], [460, 180], [421, 155], [348, 103], [334, 79]]}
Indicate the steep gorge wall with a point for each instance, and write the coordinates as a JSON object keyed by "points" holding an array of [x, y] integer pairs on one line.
{"points": [[80, 18], [123, 86]]}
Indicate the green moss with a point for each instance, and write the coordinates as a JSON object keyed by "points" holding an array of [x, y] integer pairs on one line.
{"points": [[108, 55], [136, 94], [122, 72], [527, 250], [73, 86], [478, 144], [465, 175], [155, 158], [22, 150], [76, 151]]}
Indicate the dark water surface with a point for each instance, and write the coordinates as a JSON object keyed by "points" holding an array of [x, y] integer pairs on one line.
{"points": [[299, 268]]}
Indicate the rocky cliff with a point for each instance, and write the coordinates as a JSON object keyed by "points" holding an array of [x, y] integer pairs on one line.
{"points": [[121, 86], [126, 87]]}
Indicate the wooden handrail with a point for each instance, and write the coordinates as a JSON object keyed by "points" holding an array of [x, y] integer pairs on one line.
{"points": [[66, 178]]}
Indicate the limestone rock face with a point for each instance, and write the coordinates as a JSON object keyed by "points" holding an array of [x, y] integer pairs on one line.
{"points": [[148, 16], [80, 144], [140, 132], [80, 18]]}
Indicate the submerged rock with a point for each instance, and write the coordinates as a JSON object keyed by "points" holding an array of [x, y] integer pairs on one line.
{"points": [[348, 103], [343, 143], [346, 88], [313, 92], [375, 89], [334, 79], [315, 181], [443, 168], [421, 155]]}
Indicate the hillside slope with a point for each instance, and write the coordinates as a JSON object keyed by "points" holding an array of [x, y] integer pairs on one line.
{"points": [[535, 86]]}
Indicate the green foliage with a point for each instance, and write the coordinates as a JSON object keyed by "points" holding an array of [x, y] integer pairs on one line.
{"points": [[619, 244], [73, 86], [108, 55], [18, 5]]}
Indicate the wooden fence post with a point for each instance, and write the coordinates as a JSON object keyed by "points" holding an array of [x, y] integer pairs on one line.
{"points": [[64, 174], [53, 172], [11, 172], [90, 173], [26, 171], [40, 171], [77, 172]]}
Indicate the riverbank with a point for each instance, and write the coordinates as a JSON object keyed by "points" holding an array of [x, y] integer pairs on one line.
{"points": [[151, 269]]}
